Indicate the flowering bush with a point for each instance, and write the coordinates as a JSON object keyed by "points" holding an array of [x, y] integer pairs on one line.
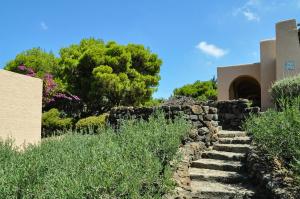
{"points": [[51, 90]]}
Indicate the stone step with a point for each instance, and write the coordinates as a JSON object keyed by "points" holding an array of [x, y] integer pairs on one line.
{"points": [[223, 165], [231, 134], [235, 140], [223, 155], [216, 175], [236, 148], [215, 190]]}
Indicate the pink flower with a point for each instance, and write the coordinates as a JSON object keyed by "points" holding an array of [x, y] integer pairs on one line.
{"points": [[22, 67]]}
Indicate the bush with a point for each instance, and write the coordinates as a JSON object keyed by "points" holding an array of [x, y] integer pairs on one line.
{"points": [[206, 90], [278, 134], [288, 88], [133, 163], [92, 123], [154, 102], [52, 122]]}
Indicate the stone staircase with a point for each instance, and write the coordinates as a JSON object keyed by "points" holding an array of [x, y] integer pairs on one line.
{"points": [[220, 173]]}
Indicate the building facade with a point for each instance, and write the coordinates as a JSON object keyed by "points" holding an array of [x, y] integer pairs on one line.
{"points": [[20, 108], [279, 58]]}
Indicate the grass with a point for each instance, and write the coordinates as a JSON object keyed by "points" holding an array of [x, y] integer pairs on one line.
{"points": [[131, 163]]}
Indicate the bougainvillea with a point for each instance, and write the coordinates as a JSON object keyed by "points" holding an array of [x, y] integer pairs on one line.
{"points": [[51, 91]]}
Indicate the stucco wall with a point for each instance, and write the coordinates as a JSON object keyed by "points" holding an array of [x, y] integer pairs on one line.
{"points": [[287, 48], [226, 75], [267, 71], [21, 107]]}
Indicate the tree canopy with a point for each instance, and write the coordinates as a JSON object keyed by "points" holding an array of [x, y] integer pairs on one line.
{"points": [[101, 74], [201, 90], [37, 59]]}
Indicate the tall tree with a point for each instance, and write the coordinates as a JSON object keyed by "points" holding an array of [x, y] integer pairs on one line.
{"points": [[104, 75]]}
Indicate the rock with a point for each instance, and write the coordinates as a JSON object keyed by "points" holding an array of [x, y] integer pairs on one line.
{"points": [[203, 131], [205, 109], [213, 110], [197, 124], [193, 133], [214, 123], [208, 117], [200, 117], [175, 108], [196, 109], [194, 117]]}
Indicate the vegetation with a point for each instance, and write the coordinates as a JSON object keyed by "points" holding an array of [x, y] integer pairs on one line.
{"points": [[133, 163], [40, 61], [102, 75], [288, 88], [107, 75], [154, 102], [278, 134], [52, 122], [201, 90], [92, 123], [277, 130]]}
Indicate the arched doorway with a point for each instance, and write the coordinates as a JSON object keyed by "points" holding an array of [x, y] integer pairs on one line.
{"points": [[245, 87]]}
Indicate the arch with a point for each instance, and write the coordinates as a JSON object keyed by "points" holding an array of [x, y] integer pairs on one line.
{"points": [[245, 87]]}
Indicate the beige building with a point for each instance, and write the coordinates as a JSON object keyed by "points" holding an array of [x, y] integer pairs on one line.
{"points": [[279, 58], [20, 108]]}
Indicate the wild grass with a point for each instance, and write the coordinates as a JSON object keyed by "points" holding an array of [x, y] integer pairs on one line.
{"points": [[131, 163]]}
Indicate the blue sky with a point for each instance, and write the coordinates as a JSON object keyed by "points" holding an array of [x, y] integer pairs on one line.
{"points": [[192, 37]]}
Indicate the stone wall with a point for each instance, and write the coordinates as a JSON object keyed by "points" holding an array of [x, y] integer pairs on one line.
{"points": [[232, 113], [270, 177], [203, 118]]}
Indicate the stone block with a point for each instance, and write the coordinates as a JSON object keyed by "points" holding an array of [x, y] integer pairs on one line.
{"points": [[213, 110], [193, 117], [203, 131], [208, 117], [196, 109], [200, 117], [205, 109]]}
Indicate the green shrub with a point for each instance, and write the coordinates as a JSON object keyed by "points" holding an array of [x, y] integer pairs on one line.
{"points": [[201, 90], [288, 88], [92, 123], [277, 132], [52, 122], [132, 163], [154, 102]]}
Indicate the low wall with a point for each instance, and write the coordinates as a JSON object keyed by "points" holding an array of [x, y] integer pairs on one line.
{"points": [[232, 113], [266, 173], [203, 118], [203, 134]]}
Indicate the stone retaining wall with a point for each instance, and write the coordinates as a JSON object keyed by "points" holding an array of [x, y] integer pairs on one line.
{"points": [[267, 174], [232, 113], [203, 118], [205, 127]]}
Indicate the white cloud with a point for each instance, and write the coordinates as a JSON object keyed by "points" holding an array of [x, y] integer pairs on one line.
{"points": [[250, 16], [44, 25], [247, 10], [211, 49], [253, 3]]}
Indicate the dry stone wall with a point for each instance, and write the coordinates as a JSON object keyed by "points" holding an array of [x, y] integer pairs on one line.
{"points": [[232, 113], [203, 118]]}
